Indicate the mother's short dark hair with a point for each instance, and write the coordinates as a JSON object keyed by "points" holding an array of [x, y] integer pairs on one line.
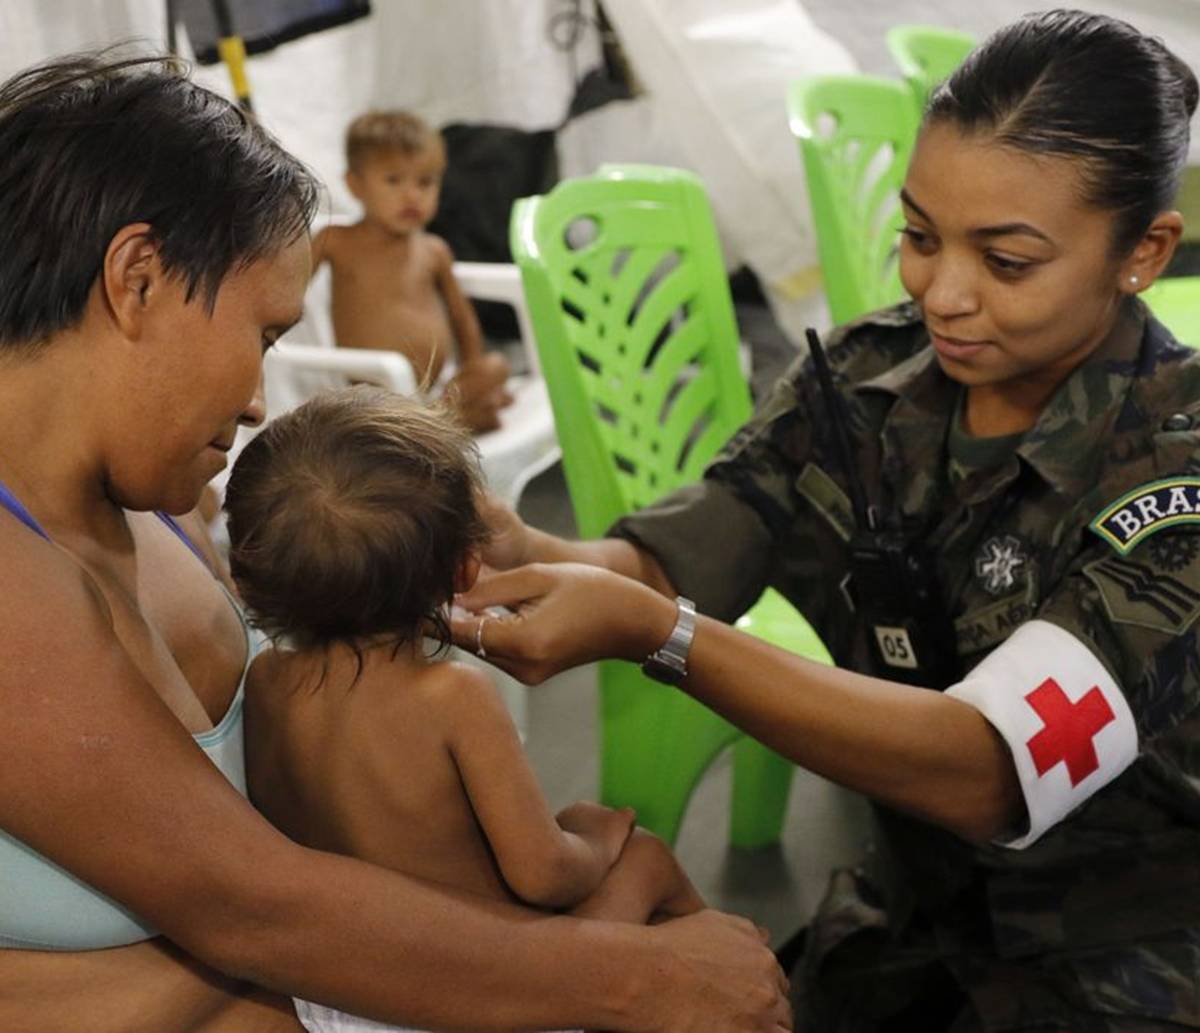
{"points": [[1083, 86], [93, 142]]}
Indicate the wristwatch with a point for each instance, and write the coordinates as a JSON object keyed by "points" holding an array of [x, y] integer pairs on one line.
{"points": [[668, 663]]}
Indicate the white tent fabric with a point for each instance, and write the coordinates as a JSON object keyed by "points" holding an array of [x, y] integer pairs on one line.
{"points": [[32, 30], [449, 61], [713, 73], [716, 73]]}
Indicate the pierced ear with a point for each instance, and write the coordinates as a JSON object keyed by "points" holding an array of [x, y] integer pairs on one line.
{"points": [[1152, 253], [130, 274], [468, 571]]}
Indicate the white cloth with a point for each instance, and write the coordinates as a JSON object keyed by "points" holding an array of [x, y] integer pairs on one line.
{"points": [[1063, 716], [716, 73], [316, 1018], [448, 61]]}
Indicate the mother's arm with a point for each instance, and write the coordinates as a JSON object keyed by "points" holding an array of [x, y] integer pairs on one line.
{"points": [[920, 751], [100, 777]]}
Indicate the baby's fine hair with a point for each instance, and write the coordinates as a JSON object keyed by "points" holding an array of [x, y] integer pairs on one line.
{"points": [[350, 516], [380, 132]]}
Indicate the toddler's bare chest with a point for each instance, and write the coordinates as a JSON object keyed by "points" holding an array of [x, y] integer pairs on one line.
{"points": [[386, 275]]}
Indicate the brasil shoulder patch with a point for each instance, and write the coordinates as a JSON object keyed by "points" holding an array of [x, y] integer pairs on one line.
{"points": [[1147, 510]]}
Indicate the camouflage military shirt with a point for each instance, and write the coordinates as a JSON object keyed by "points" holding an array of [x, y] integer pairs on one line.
{"points": [[1097, 920]]}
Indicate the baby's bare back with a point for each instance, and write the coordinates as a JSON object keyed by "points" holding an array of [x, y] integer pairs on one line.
{"points": [[363, 768], [386, 295]]}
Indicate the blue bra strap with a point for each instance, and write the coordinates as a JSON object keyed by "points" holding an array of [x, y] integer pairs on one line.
{"points": [[10, 502], [13, 504], [169, 520]]}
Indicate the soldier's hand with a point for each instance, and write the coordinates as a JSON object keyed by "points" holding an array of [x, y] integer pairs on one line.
{"points": [[508, 545], [561, 615]]}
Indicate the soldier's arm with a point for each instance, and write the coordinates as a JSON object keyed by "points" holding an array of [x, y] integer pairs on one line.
{"points": [[514, 543], [712, 541], [1106, 669], [923, 752]]}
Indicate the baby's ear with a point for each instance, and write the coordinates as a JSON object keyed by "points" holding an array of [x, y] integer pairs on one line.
{"points": [[468, 571], [353, 184]]}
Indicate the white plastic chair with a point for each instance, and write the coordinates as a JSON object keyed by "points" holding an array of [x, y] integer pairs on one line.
{"points": [[307, 361]]}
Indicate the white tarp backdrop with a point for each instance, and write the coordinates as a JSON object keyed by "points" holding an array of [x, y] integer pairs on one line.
{"points": [[31, 30], [713, 73], [716, 75]]}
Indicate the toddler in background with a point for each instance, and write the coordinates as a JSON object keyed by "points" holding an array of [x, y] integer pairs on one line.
{"points": [[393, 283], [352, 523]]}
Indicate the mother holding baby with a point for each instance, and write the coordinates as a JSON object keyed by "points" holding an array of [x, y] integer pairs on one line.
{"points": [[1002, 560], [156, 246]]}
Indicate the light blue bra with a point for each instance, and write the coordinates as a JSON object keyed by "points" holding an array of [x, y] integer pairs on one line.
{"points": [[43, 906]]}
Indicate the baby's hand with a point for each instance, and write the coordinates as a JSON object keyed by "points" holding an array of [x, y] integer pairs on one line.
{"points": [[605, 829]]}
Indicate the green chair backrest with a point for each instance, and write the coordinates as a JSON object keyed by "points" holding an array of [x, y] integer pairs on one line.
{"points": [[926, 55], [856, 135], [1175, 302], [635, 329]]}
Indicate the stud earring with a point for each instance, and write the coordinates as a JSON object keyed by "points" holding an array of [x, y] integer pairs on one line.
{"points": [[1133, 280]]}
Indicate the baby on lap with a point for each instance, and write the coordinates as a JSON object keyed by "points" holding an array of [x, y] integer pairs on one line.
{"points": [[352, 523], [393, 283]]}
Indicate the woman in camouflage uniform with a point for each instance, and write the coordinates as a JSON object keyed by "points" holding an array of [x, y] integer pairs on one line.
{"points": [[1028, 441]]}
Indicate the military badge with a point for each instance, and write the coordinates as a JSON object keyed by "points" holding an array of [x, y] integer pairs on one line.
{"points": [[1175, 552], [1147, 510], [1000, 563], [1144, 594]]}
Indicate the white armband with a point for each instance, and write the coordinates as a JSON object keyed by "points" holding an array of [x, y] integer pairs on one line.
{"points": [[1066, 722]]}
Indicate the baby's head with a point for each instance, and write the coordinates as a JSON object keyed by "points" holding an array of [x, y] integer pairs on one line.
{"points": [[394, 165], [353, 518]]}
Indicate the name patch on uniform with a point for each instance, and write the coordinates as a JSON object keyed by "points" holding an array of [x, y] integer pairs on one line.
{"points": [[1147, 510], [982, 629]]}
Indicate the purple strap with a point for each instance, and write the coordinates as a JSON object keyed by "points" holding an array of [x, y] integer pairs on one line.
{"points": [[13, 504], [169, 520]]}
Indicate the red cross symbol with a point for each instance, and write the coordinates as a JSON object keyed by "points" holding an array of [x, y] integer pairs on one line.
{"points": [[1070, 728]]}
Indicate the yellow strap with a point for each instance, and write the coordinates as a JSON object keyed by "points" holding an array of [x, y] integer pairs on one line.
{"points": [[233, 52], [800, 283]]}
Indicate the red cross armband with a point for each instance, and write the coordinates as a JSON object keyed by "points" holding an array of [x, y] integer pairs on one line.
{"points": [[1065, 720]]}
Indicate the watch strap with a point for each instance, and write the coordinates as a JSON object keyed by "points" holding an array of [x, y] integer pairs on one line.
{"points": [[668, 663]]}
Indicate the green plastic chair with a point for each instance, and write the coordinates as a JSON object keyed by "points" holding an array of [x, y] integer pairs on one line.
{"points": [[926, 56], [1175, 302], [856, 134], [635, 330]]}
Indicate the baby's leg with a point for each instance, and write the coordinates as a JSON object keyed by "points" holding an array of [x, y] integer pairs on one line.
{"points": [[478, 391], [645, 884]]}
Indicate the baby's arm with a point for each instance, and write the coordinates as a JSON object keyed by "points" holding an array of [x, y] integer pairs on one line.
{"points": [[646, 884], [463, 321], [542, 862]]}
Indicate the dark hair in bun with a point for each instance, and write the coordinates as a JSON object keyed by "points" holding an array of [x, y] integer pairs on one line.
{"points": [[1088, 87]]}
